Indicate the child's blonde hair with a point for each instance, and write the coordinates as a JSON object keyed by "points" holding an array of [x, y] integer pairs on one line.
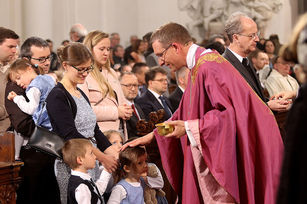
{"points": [[21, 65], [109, 133], [129, 158], [74, 148]]}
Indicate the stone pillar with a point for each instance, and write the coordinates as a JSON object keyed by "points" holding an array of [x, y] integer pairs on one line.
{"points": [[11, 15], [37, 18]]}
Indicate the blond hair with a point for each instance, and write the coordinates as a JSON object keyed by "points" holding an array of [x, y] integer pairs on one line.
{"points": [[74, 148], [90, 41], [109, 133]]}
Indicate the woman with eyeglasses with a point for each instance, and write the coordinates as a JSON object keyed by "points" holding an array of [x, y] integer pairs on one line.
{"points": [[71, 115], [102, 86]]}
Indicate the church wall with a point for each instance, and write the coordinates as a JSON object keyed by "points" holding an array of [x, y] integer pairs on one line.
{"points": [[53, 18]]}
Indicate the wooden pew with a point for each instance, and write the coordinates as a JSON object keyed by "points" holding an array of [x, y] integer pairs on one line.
{"points": [[9, 168]]}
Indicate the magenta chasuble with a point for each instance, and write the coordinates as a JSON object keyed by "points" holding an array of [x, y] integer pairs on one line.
{"points": [[239, 148]]}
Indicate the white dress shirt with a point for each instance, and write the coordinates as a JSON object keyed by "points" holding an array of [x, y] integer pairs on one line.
{"points": [[83, 193]]}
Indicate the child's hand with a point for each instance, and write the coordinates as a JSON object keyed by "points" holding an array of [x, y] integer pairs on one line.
{"points": [[144, 176], [11, 95]]}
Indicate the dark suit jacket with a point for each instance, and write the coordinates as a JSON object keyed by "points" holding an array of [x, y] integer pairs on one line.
{"points": [[141, 91], [131, 123], [149, 103], [255, 84], [20, 121], [175, 98]]}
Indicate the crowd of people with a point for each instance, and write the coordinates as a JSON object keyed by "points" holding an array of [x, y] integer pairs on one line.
{"points": [[221, 96]]}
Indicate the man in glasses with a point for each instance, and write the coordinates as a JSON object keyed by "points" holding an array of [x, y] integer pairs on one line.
{"points": [[129, 84], [39, 183], [243, 35], [280, 80], [153, 99], [226, 145], [37, 51]]}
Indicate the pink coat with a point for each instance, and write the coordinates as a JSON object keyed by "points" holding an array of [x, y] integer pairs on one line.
{"points": [[106, 111]]}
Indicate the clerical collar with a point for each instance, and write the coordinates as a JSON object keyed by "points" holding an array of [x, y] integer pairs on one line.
{"points": [[182, 89], [240, 58], [191, 55]]}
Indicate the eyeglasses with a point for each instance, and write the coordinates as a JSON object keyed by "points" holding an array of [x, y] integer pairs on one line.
{"points": [[161, 80], [42, 59], [129, 86], [253, 36], [162, 54], [284, 63], [82, 70]]}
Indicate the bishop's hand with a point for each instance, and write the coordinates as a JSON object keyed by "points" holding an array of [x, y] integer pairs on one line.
{"points": [[179, 128]]}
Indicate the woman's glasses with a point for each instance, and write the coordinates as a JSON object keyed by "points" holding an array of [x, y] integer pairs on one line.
{"points": [[82, 70]]}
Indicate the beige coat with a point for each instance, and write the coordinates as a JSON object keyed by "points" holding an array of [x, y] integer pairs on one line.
{"points": [[4, 120], [106, 111], [277, 83]]}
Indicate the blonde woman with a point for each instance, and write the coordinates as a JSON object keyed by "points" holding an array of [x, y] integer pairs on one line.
{"points": [[103, 88]]}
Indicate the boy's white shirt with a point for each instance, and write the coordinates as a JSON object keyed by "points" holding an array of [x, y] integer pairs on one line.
{"points": [[83, 193], [30, 107], [119, 193]]}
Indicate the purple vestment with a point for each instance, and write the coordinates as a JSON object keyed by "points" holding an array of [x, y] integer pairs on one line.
{"points": [[239, 147]]}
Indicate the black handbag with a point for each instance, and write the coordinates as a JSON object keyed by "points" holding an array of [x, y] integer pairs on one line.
{"points": [[46, 141]]}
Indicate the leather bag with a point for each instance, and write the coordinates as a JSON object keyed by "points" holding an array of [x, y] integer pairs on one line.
{"points": [[46, 141]]}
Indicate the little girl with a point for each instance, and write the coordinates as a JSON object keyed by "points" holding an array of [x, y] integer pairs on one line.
{"points": [[37, 89], [133, 166], [115, 138], [132, 177]]}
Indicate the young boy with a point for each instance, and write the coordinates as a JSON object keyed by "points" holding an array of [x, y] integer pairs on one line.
{"points": [[79, 156]]}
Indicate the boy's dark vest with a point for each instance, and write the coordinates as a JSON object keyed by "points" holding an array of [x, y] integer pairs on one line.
{"points": [[74, 182]]}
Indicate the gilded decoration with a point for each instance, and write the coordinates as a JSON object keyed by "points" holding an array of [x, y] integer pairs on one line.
{"points": [[211, 57]]}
